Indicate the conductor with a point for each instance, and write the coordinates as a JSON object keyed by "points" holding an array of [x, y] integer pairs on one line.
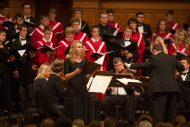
{"points": [[163, 84]]}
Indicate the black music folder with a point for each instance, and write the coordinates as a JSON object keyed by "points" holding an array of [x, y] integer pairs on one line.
{"points": [[46, 48]]}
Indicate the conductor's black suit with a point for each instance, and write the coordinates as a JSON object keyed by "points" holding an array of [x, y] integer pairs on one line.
{"points": [[163, 85]]}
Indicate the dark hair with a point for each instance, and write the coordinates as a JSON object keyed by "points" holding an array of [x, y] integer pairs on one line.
{"points": [[158, 25], [77, 9], [58, 65], [131, 20], [187, 59], [48, 122], [44, 16], [94, 123], [169, 12], [18, 15], [157, 47], [157, 36], [26, 4], [110, 122], [128, 27], [145, 117], [103, 12], [109, 11], [139, 13], [47, 28], [22, 26], [94, 27], [63, 122], [74, 20], [2, 31], [116, 60]]}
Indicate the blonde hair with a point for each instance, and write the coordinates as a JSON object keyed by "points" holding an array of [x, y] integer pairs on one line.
{"points": [[79, 123], [185, 41], [69, 30], [72, 52], [42, 70]]}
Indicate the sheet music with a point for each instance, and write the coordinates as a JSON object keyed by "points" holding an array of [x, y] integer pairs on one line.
{"points": [[21, 52], [127, 80], [89, 83], [100, 60], [100, 83]]}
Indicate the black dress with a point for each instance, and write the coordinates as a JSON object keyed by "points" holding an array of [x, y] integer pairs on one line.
{"points": [[77, 104], [5, 83]]}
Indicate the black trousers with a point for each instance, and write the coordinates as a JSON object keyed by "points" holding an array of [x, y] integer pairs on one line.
{"points": [[164, 107]]}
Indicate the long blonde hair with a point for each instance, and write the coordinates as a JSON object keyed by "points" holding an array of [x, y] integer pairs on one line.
{"points": [[72, 52], [42, 70], [185, 41]]}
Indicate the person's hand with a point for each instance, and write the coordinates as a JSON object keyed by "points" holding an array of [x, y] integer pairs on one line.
{"points": [[129, 55], [77, 71], [136, 93], [162, 41], [16, 74], [12, 58], [127, 65]]}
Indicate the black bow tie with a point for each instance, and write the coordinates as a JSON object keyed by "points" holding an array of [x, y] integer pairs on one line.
{"points": [[27, 17], [184, 73]]}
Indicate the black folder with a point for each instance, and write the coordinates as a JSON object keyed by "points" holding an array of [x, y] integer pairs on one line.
{"points": [[29, 24], [96, 55], [90, 67], [46, 48]]}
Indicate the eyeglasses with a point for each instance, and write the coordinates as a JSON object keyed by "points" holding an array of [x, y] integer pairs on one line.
{"points": [[140, 17]]}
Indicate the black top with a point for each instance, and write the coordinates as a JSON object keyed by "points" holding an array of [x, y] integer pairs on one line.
{"points": [[162, 72], [55, 90]]}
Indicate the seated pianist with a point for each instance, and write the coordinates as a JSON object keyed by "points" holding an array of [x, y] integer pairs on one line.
{"points": [[127, 97]]}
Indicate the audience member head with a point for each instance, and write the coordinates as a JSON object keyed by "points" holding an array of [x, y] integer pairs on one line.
{"points": [[52, 14], [186, 62], [170, 16], [19, 18], [128, 32], [132, 22], [44, 20], [76, 50], [157, 48], [47, 123], [44, 71], [2, 35], [162, 124], [63, 122], [26, 7], [118, 64], [110, 122], [188, 31], [145, 121], [47, 33], [110, 13], [69, 33], [180, 121], [78, 123], [58, 66], [75, 23], [140, 16], [77, 12], [95, 32], [94, 123], [162, 26], [103, 18], [23, 29]]}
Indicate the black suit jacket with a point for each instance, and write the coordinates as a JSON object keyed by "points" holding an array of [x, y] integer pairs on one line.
{"points": [[147, 32], [85, 28], [162, 73]]}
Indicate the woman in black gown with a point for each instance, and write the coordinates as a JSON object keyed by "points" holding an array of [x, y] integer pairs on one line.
{"points": [[77, 91], [5, 76]]}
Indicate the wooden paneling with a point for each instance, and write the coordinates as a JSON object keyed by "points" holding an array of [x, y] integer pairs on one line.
{"points": [[125, 10]]}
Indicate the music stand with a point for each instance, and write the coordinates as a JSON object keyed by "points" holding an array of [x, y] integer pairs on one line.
{"points": [[98, 84]]}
